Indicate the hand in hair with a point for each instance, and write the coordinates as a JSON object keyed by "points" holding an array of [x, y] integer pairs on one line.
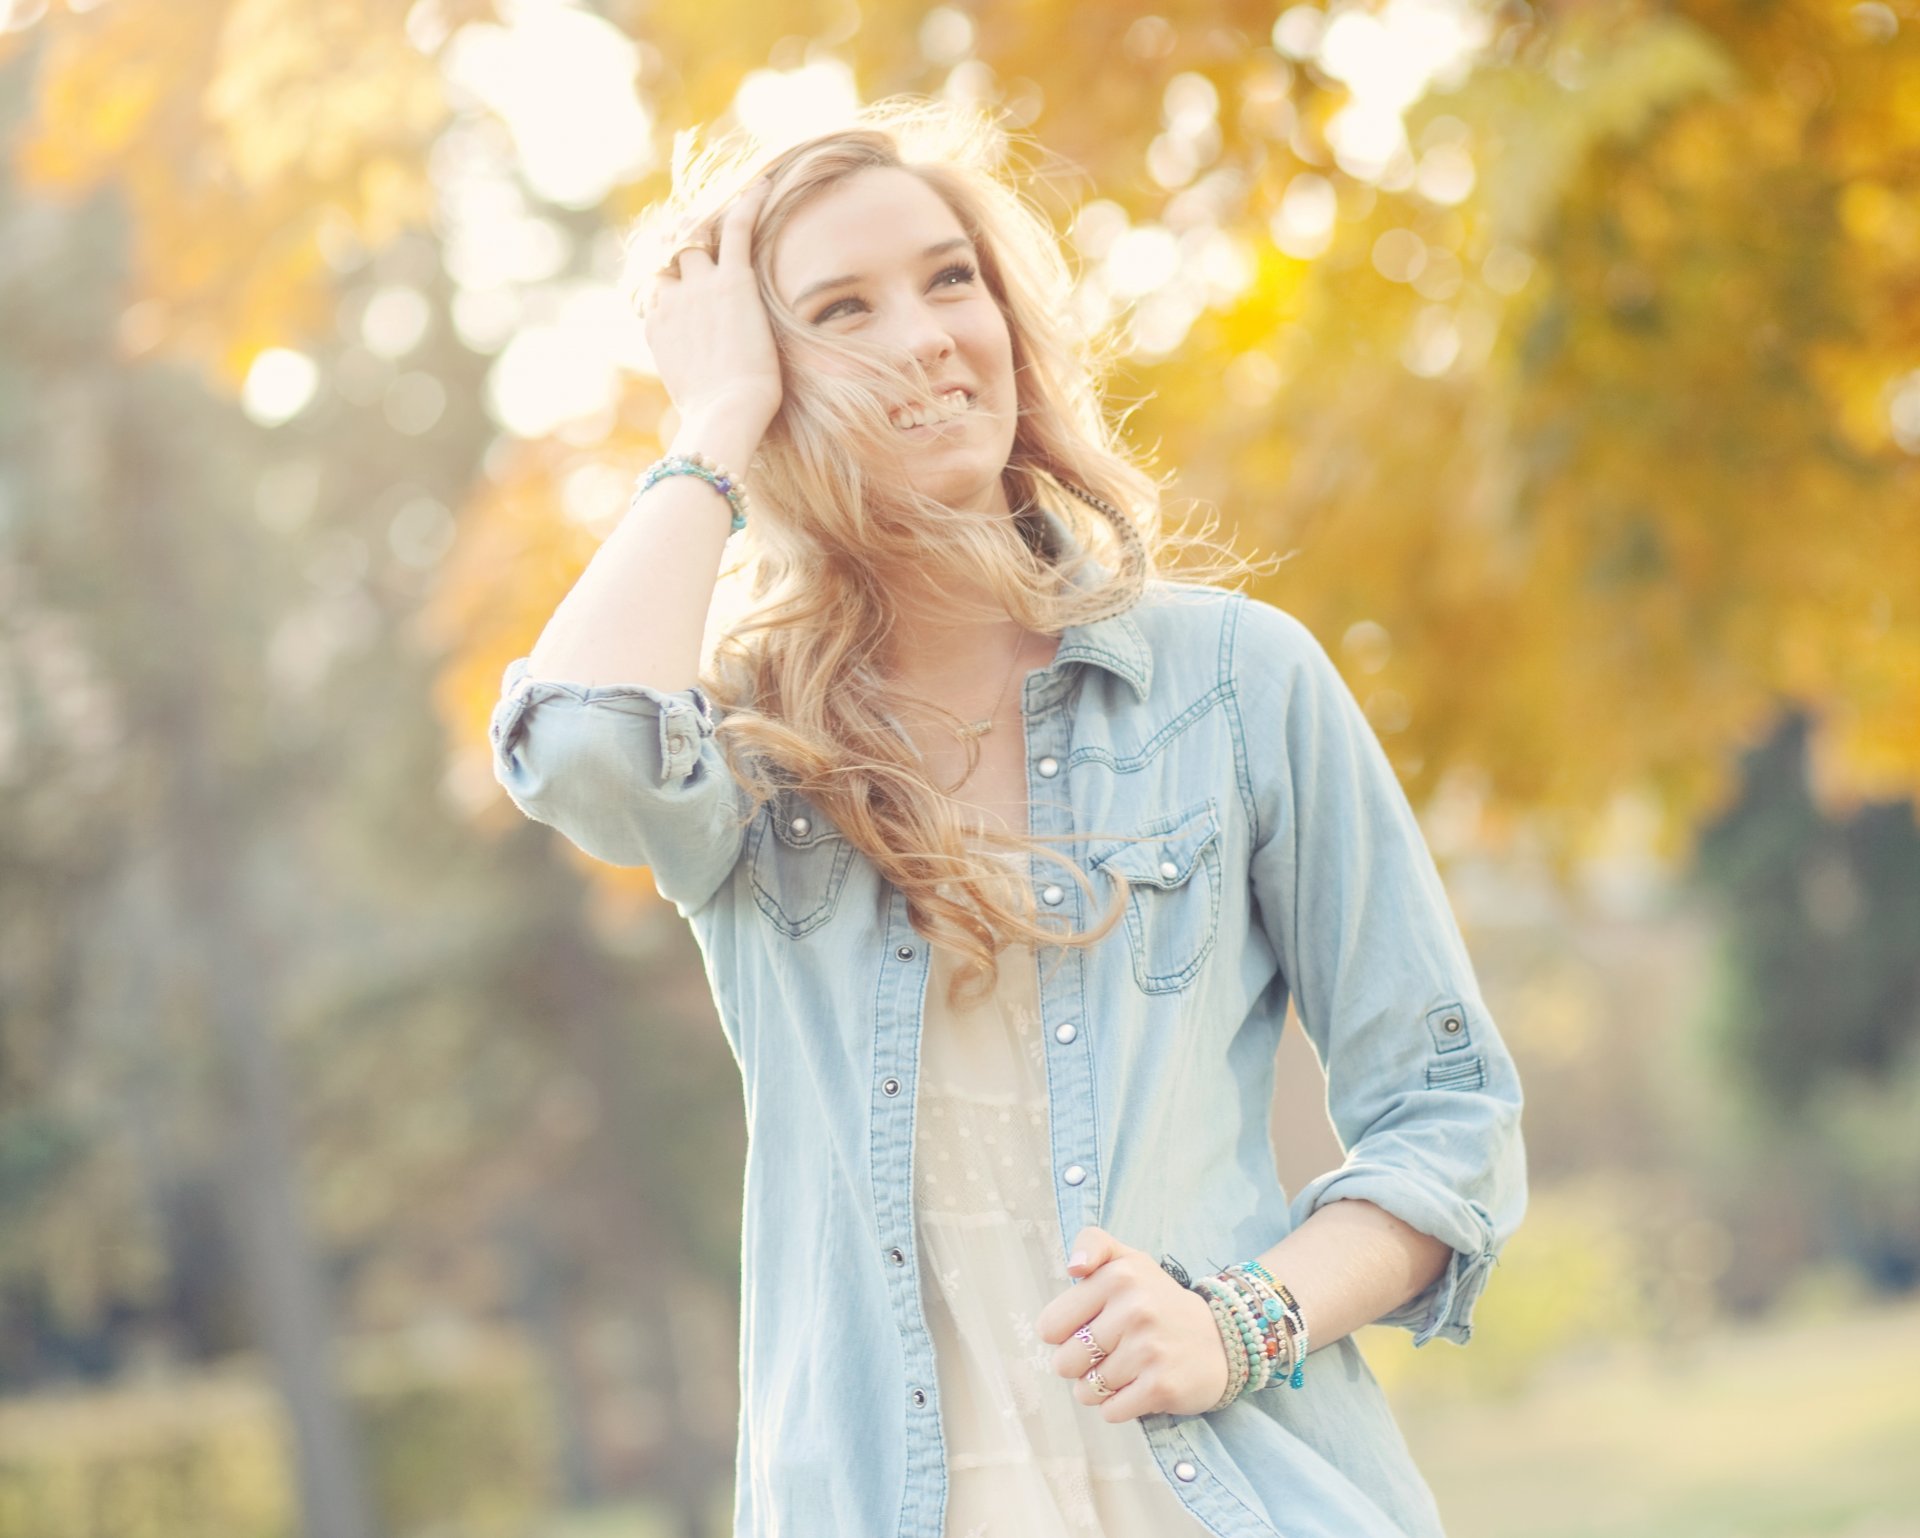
{"points": [[709, 332]]}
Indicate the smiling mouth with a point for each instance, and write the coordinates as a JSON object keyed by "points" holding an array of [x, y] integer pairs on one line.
{"points": [[911, 419]]}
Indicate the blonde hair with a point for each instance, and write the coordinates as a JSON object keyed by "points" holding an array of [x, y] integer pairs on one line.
{"points": [[837, 535]]}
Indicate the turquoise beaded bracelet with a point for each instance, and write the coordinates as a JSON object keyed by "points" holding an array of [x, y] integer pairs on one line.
{"points": [[1261, 1316], [1296, 1321], [720, 479], [1262, 1325]]}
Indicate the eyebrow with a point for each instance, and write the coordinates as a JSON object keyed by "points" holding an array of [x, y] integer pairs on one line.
{"points": [[821, 287]]}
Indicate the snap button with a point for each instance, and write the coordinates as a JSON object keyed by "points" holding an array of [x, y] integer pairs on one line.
{"points": [[897, 1256], [800, 825], [1186, 1471], [1073, 1174], [1451, 1025], [1169, 869], [1051, 894], [890, 1086], [919, 1396], [1048, 767], [905, 953], [1064, 1033]]}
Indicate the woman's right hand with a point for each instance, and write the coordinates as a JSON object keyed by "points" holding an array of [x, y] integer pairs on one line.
{"points": [[709, 332]]}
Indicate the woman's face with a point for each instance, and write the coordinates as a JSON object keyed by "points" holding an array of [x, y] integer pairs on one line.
{"points": [[880, 255]]}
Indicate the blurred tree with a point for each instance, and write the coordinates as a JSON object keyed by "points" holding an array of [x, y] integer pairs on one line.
{"points": [[1822, 971], [1626, 319], [227, 775], [1816, 1017]]}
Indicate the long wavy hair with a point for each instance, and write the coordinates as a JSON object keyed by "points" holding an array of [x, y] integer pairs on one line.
{"points": [[839, 545]]}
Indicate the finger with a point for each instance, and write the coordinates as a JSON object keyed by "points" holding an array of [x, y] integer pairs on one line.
{"points": [[1076, 1306], [1075, 1356], [1080, 1304], [1092, 1248], [1140, 1396], [1118, 1370], [736, 226], [692, 259], [1108, 1327]]}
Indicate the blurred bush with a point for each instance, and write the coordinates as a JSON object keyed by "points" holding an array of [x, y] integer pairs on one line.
{"points": [[1602, 1261], [456, 1442]]}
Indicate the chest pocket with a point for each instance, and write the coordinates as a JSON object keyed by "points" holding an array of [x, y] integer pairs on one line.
{"points": [[1173, 902], [797, 865]]}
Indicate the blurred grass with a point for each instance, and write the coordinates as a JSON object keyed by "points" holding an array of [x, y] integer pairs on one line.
{"points": [[1803, 1427]]}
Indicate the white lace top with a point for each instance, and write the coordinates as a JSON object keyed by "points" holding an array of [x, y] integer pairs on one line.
{"points": [[1025, 1458]]}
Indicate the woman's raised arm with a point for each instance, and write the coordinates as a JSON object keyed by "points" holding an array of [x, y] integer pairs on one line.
{"points": [[601, 731]]}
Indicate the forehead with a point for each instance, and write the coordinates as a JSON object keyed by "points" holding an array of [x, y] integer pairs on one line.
{"points": [[863, 224]]}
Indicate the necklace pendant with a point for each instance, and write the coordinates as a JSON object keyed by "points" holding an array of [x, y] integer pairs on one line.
{"points": [[975, 729]]}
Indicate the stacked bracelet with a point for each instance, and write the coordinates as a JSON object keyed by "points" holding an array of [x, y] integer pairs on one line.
{"points": [[1261, 1326], [722, 480], [1296, 1321], [1237, 1363]]}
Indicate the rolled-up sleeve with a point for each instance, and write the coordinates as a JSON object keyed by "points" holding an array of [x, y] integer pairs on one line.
{"points": [[1421, 1089], [630, 774]]}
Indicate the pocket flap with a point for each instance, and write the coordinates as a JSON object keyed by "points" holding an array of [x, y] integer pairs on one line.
{"points": [[1171, 848], [797, 823]]}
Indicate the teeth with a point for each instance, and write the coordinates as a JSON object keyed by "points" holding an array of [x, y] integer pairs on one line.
{"points": [[955, 400]]}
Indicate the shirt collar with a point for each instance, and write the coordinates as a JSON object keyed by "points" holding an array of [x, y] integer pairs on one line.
{"points": [[1115, 643]]}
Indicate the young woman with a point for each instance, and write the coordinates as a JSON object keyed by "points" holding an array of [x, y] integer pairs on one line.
{"points": [[1006, 849]]}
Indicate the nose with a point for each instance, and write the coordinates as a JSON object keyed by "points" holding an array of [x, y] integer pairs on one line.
{"points": [[922, 333]]}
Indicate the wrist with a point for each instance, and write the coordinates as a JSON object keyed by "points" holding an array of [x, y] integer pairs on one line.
{"points": [[727, 435]]}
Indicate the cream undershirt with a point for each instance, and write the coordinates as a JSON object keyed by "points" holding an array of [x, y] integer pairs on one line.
{"points": [[1025, 1458]]}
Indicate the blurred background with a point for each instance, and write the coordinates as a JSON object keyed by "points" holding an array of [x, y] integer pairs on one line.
{"points": [[369, 1159]]}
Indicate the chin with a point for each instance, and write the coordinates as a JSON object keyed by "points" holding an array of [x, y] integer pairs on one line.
{"points": [[959, 490]]}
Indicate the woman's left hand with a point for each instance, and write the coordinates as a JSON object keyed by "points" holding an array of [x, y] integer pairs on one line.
{"points": [[1164, 1352]]}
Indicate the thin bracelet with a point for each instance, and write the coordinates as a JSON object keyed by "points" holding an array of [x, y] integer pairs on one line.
{"points": [[1297, 1321], [720, 479], [1239, 1366]]}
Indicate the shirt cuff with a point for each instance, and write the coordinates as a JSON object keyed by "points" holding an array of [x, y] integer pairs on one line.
{"points": [[1444, 1309], [686, 716]]}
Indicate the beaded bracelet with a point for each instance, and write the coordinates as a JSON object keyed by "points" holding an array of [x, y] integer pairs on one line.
{"points": [[1297, 1321], [1262, 1326], [1238, 1364], [722, 480], [1262, 1320], [1258, 1313]]}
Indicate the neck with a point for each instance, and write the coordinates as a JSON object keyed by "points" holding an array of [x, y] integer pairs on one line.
{"points": [[953, 635]]}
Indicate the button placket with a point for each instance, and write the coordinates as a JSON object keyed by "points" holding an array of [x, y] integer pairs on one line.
{"points": [[904, 970], [1070, 1094]]}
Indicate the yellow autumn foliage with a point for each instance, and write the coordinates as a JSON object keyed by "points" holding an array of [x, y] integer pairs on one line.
{"points": [[1586, 461]]}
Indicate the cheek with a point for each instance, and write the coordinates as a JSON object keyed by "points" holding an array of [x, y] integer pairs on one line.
{"points": [[989, 341]]}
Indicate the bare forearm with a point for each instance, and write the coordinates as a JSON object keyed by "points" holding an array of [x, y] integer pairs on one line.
{"points": [[638, 612], [1349, 1263]]}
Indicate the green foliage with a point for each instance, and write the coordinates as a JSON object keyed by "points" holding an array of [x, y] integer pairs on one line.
{"points": [[458, 1448], [1589, 1269], [1822, 977]]}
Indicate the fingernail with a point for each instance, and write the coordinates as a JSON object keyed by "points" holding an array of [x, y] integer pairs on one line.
{"points": [[1079, 1258]]}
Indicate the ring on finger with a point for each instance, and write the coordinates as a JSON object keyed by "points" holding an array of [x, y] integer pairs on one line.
{"points": [[1100, 1384], [1085, 1336]]}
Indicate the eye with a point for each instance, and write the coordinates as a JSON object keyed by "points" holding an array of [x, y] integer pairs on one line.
{"points": [[960, 272]]}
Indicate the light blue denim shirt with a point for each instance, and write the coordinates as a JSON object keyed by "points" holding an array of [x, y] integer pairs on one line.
{"points": [[1295, 870]]}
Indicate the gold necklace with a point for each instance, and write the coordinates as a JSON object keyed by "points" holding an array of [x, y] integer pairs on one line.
{"points": [[975, 729]]}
